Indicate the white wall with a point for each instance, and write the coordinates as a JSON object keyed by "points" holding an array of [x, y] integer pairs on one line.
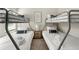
{"points": [[23, 26], [74, 29], [2, 29]]}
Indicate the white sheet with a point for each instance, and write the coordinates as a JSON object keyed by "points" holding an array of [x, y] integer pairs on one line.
{"points": [[24, 43], [53, 41], [64, 16], [10, 16]]}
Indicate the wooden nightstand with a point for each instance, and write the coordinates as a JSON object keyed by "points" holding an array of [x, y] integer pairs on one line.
{"points": [[37, 34]]}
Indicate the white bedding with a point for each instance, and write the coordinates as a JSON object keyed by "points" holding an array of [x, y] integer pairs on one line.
{"points": [[11, 16], [53, 41], [23, 41], [64, 16]]}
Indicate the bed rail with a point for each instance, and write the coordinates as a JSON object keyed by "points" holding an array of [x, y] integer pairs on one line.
{"points": [[6, 28], [13, 22], [13, 18], [62, 13]]}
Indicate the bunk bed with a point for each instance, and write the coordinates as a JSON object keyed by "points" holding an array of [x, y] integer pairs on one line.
{"points": [[23, 41], [62, 40], [63, 17], [53, 41], [17, 39]]}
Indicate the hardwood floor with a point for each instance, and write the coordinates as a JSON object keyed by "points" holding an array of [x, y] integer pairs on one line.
{"points": [[38, 44]]}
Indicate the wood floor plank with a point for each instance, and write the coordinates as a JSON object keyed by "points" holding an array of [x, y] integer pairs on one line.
{"points": [[38, 44]]}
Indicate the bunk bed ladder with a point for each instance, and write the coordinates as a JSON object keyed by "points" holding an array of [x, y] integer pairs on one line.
{"points": [[7, 31]]}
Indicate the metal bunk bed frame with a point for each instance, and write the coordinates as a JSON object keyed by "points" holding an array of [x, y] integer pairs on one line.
{"points": [[13, 41], [69, 28], [6, 27]]}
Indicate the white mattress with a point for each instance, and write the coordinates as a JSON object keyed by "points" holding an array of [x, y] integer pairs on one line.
{"points": [[53, 41], [10, 16], [23, 41], [64, 16]]}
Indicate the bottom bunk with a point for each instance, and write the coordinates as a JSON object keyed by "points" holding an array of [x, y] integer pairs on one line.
{"points": [[53, 41], [23, 41]]}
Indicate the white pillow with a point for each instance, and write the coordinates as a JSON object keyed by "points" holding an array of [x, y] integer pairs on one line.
{"points": [[51, 28]]}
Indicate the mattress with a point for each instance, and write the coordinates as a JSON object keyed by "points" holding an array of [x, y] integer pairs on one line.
{"points": [[53, 41], [22, 40], [64, 16], [11, 17]]}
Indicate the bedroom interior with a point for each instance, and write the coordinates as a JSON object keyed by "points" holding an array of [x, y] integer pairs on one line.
{"points": [[39, 29]]}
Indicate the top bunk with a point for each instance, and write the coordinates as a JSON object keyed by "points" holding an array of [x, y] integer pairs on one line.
{"points": [[12, 17], [64, 17]]}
